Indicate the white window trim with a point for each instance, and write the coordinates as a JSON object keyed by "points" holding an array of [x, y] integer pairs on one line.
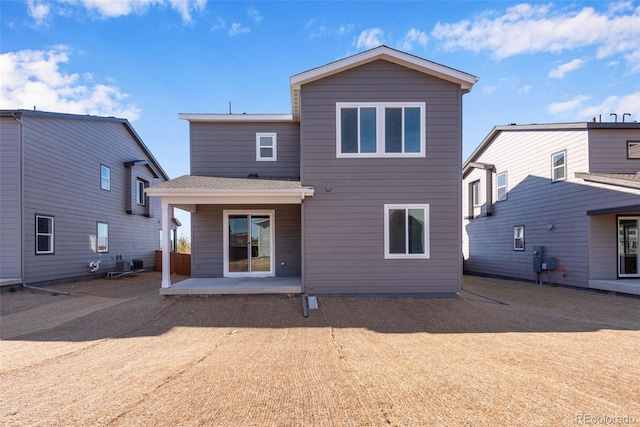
{"points": [[140, 192], [516, 227], [225, 243], [476, 193], [380, 128], [98, 250], [564, 166], [629, 144], [274, 146], [505, 186], [52, 234], [427, 245], [108, 177]]}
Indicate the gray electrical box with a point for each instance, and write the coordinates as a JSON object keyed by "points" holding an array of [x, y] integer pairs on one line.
{"points": [[537, 258], [551, 263]]}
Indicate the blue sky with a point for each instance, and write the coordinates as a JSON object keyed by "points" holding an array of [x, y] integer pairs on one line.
{"points": [[148, 60]]}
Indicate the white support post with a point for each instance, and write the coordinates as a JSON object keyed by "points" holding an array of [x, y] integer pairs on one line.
{"points": [[166, 245]]}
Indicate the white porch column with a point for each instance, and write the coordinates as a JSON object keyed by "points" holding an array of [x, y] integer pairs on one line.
{"points": [[166, 245]]}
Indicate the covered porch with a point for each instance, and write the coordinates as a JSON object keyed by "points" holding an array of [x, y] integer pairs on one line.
{"points": [[246, 239]]}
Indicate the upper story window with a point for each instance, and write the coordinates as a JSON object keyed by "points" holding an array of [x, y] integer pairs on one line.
{"points": [[387, 129], [406, 231], [502, 186], [633, 149], [475, 193], [103, 237], [44, 234], [266, 147], [559, 166], [140, 196], [105, 177]]}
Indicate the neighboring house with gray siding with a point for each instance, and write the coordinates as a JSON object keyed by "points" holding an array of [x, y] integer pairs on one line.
{"points": [[570, 189], [359, 188], [72, 192]]}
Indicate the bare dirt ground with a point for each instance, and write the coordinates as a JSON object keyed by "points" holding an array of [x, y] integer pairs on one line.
{"points": [[114, 353]]}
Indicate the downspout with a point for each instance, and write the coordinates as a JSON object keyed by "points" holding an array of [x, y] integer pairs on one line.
{"points": [[22, 209]]}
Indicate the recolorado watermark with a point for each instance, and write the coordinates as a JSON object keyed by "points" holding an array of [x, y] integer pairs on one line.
{"points": [[591, 419]]}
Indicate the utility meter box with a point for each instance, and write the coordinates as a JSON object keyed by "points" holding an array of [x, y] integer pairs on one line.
{"points": [[537, 258], [551, 263]]}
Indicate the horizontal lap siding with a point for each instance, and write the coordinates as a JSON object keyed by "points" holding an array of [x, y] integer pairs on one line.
{"points": [[535, 202], [207, 256], [229, 149], [344, 227], [10, 267], [608, 151], [62, 179]]}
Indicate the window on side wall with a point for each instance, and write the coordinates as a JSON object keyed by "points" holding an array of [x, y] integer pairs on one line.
{"points": [[559, 166], [633, 150], [406, 231], [44, 234], [103, 237], [475, 193], [501, 183], [369, 129], [105, 177], [518, 238], [266, 147], [140, 195]]}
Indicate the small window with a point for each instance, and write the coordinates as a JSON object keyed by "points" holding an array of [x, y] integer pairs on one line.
{"points": [[518, 238], [44, 234], [502, 186], [105, 177], [371, 129], [103, 237], [475, 193], [140, 196], [406, 231], [633, 149], [559, 166], [266, 147]]}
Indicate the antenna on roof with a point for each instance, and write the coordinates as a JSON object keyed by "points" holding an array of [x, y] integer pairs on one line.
{"points": [[229, 107]]}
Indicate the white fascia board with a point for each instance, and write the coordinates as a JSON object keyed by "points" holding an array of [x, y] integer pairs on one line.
{"points": [[204, 117], [205, 196]]}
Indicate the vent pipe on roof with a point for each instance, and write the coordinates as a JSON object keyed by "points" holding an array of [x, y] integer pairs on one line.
{"points": [[625, 114], [615, 115]]}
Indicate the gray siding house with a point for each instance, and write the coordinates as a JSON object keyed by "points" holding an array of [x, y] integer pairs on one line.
{"points": [[556, 203], [72, 193], [358, 191]]}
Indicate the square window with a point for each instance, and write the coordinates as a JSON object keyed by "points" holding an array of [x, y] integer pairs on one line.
{"points": [[140, 196], [502, 186], [406, 231], [559, 166], [633, 149], [518, 238], [44, 234], [370, 129], [105, 177], [266, 147], [103, 237]]}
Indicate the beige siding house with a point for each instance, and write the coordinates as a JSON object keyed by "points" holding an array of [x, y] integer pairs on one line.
{"points": [[556, 203], [360, 186]]}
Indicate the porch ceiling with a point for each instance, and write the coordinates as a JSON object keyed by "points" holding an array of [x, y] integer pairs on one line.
{"points": [[189, 189]]}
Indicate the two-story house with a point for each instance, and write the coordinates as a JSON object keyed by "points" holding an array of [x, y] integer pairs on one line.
{"points": [[556, 203], [72, 193], [357, 191]]}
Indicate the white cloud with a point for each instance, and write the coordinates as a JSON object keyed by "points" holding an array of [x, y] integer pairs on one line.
{"points": [[38, 11], [579, 107], [237, 29], [561, 70], [33, 78], [526, 28], [370, 38], [413, 36], [254, 14], [117, 8], [319, 30]]}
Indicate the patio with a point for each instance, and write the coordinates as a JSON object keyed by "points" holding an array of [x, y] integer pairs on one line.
{"points": [[235, 286]]}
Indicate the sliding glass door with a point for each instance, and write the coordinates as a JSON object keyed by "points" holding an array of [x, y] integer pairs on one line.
{"points": [[249, 243], [628, 255]]}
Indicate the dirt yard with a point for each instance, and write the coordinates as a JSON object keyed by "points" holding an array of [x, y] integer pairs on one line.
{"points": [[114, 353]]}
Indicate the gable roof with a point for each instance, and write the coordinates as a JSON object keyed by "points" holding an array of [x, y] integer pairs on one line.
{"points": [[34, 113], [465, 80], [497, 130]]}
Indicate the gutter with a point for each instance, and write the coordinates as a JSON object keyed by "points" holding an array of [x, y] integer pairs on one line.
{"points": [[22, 269]]}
